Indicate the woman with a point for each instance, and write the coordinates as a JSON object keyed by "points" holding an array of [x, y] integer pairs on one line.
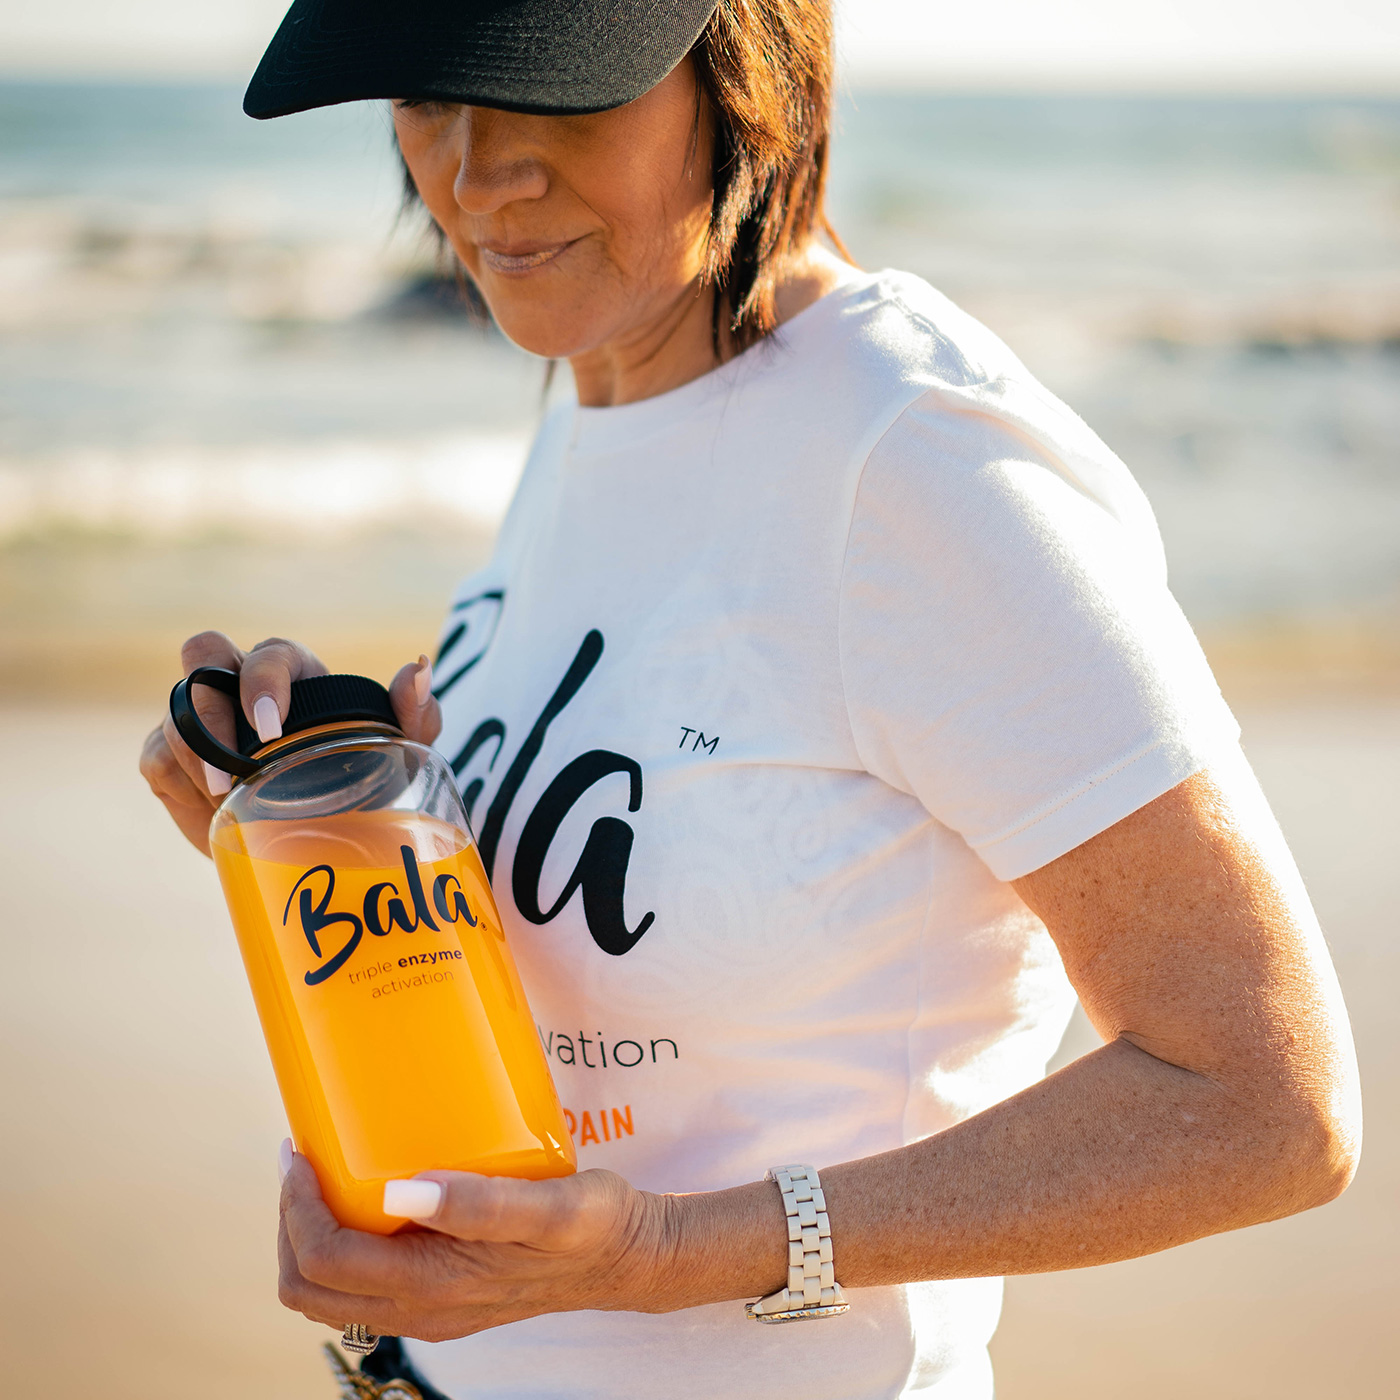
{"points": [[826, 724]]}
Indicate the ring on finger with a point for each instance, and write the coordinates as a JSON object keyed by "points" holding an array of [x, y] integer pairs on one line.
{"points": [[359, 1339]]}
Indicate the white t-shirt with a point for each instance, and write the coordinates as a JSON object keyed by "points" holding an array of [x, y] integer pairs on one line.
{"points": [[773, 683]]}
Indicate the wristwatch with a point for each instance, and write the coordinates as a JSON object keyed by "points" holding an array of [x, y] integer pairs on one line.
{"points": [[812, 1290]]}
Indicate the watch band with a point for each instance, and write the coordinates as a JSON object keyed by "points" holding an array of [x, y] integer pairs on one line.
{"points": [[812, 1290]]}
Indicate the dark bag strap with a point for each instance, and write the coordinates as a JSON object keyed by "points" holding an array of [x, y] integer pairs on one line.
{"points": [[385, 1374]]}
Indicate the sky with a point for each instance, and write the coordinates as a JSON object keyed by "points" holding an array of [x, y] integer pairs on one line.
{"points": [[1168, 44]]}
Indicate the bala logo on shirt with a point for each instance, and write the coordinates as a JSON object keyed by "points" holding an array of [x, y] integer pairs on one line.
{"points": [[600, 872]]}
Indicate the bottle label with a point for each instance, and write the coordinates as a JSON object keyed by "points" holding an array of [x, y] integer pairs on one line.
{"points": [[336, 910], [391, 1004]]}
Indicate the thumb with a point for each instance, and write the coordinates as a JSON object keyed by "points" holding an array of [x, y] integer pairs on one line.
{"points": [[419, 715], [494, 1209]]}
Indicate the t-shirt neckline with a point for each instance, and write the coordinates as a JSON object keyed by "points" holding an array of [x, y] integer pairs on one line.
{"points": [[607, 429]]}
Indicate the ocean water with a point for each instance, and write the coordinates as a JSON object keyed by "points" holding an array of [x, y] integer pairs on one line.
{"points": [[209, 324]]}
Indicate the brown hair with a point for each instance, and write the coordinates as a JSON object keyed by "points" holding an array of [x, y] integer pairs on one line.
{"points": [[766, 68], [766, 71]]}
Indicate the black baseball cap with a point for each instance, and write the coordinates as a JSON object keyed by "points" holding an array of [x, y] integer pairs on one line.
{"points": [[552, 57]]}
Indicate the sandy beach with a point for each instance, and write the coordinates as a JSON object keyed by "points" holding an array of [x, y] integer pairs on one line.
{"points": [[137, 1172]]}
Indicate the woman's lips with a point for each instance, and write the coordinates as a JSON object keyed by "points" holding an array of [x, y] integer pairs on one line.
{"points": [[521, 260]]}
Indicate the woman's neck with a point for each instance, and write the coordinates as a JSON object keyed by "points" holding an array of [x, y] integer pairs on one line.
{"points": [[678, 344]]}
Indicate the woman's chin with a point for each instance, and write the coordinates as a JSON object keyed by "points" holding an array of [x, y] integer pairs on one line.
{"points": [[540, 333]]}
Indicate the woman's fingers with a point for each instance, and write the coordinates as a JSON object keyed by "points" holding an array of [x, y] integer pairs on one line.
{"points": [[205, 778], [188, 803], [266, 674], [191, 788], [346, 1261], [552, 1214], [265, 682], [332, 1306], [420, 716], [496, 1250], [168, 778], [213, 707]]}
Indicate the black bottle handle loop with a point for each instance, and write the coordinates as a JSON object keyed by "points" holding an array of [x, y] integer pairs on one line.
{"points": [[191, 728]]}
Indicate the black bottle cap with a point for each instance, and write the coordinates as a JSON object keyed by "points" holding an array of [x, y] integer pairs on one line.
{"points": [[316, 700], [323, 700]]}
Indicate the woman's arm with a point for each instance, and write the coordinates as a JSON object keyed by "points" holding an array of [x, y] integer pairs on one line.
{"points": [[1226, 1095]]}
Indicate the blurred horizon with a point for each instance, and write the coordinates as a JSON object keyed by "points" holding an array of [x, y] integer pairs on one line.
{"points": [[1381, 84], [1193, 45]]}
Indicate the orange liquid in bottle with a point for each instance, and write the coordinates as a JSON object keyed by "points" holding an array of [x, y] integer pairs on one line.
{"points": [[392, 1009]]}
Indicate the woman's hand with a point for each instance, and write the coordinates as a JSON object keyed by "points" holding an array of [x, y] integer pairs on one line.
{"points": [[190, 788], [497, 1250]]}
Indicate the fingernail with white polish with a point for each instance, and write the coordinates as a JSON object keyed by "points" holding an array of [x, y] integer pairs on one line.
{"points": [[266, 719], [414, 1200], [285, 1153], [423, 681], [216, 780]]}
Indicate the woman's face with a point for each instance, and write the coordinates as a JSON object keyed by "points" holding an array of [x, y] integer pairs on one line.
{"points": [[581, 232]]}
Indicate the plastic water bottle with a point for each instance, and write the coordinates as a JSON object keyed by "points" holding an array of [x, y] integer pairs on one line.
{"points": [[391, 1005]]}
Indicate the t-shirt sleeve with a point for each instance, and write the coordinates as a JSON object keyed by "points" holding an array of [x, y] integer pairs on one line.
{"points": [[1011, 654]]}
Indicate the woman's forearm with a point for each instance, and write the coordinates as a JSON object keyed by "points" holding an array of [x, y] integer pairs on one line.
{"points": [[1120, 1154]]}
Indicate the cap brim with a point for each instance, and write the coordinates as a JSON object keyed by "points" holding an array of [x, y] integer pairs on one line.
{"points": [[536, 56]]}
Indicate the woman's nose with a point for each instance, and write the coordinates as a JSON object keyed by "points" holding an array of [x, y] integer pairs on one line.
{"points": [[497, 167]]}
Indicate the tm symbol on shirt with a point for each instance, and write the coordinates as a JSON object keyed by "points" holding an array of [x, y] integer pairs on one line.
{"points": [[701, 742]]}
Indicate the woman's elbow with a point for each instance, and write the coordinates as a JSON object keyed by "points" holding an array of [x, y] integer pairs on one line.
{"points": [[1318, 1143], [1336, 1155]]}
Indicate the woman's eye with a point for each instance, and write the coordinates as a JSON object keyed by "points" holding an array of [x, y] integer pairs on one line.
{"points": [[425, 115]]}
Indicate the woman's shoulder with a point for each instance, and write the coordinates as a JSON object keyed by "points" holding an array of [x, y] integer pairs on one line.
{"points": [[881, 342], [942, 395], [896, 326]]}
